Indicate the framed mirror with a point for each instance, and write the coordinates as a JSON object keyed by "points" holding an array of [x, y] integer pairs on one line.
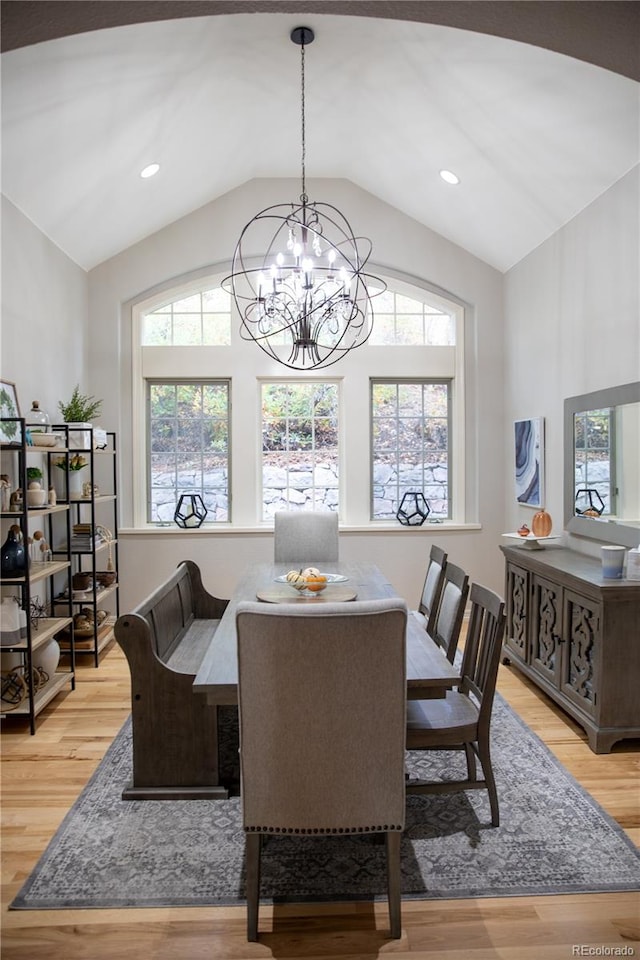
{"points": [[602, 465]]}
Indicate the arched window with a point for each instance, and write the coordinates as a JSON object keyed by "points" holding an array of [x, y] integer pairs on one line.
{"points": [[213, 415]]}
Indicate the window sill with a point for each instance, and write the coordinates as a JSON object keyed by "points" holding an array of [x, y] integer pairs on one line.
{"points": [[227, 529]]}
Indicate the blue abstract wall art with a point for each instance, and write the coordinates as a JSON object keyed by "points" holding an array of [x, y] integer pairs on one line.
{"points": [[529, 452]]}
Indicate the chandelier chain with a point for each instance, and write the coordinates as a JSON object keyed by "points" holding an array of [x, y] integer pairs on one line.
{"points": [[302, 118]]}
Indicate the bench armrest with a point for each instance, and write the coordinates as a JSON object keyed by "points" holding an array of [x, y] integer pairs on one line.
{"points": [[205, 605]]}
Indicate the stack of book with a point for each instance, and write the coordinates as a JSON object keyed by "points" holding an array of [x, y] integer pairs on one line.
{"points": [[84, 538]]}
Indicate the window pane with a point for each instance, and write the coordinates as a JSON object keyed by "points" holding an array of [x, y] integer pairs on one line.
{"points": [[410, 399], [410, 330], [400, 320], [410, 447], [385, 398], [192, 304], [156, 330], [440, 330], [189, 447], [187, 329], [300, 468], [216, 329], [202, 318], [216, 300], [385, 329]]}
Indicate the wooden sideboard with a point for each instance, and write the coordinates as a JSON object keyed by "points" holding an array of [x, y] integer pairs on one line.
{"points": [[577, 636]]}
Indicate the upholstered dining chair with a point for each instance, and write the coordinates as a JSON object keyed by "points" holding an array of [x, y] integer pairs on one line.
{"points": [[434, 579], [305, 536], [322, 708], [445, 626], [461, 721]]}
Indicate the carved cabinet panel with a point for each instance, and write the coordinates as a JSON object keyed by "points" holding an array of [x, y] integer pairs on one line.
{"points": [[517, 600], [546, 629], [579, 672]]}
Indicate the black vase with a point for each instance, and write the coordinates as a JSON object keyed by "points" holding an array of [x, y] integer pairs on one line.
{"points": [[13, 561]]}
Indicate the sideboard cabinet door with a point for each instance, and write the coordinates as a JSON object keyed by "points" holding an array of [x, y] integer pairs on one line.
{"points": [[582, 619], [517, 597], [546, 629]]}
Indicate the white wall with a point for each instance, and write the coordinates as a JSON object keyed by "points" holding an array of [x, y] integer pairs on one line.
{"points": [[206, 238], [44, 316], [572, 325]]}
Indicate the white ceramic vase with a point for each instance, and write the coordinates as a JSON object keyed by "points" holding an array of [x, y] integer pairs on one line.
{"points": [[79, 439], [48, 657], [76, 480]]}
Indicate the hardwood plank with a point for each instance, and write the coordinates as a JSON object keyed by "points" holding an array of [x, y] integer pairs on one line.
{"points": [[43, 775]]}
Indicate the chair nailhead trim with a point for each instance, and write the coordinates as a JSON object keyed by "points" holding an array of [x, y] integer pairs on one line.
{"points": [[381, 828]]}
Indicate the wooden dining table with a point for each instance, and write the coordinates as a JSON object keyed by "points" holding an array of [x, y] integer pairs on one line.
{"points": [[429, 673]]}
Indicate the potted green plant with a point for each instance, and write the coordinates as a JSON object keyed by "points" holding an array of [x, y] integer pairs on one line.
{"points": [[80, 411], [80, 408], [34, 475]]}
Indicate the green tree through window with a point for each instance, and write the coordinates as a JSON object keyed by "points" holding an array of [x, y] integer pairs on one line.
{"points": [[410, 445], [300, 468], [189, 430]]}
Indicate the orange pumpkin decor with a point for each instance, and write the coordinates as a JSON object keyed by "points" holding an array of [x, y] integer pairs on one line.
{"points": [[541, 523], [316, 584], [524, 530]]}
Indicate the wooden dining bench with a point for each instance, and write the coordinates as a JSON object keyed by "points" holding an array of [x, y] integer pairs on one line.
{"points": [[175, 736]]}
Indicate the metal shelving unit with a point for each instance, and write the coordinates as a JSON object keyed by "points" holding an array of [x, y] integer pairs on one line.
{"points": [[93, 513], [40, 584]]}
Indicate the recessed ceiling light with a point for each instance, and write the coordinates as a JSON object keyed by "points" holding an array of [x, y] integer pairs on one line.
{"points": [[449, 177], [150, 171]]}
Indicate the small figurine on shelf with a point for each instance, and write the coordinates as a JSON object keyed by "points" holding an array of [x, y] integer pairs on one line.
{"points": [[5, 493], [107, 536], [53, 499]]}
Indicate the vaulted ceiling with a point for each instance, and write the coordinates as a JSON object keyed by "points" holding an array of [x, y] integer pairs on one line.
{"points": [[534, 135]]}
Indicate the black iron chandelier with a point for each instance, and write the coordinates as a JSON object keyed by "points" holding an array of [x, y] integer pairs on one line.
{"points": [[309, 293]]}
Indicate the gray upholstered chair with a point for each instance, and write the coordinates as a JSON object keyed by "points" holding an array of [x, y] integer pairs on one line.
{"points": [[430, 597], [322, 707], [305, 536], [461, 721], [447, 622]]}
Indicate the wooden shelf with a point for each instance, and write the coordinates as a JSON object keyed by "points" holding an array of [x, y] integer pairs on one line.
{"points": [[47, 628], [35, 511], [84, 645], [101, 594], [44, 696], [39, 571]]}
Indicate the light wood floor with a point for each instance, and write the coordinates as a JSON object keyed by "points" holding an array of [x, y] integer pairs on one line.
{"points": [[42, 776]]}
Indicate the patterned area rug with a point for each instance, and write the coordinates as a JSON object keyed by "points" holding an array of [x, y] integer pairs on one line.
{"points": [[553, 839]]}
